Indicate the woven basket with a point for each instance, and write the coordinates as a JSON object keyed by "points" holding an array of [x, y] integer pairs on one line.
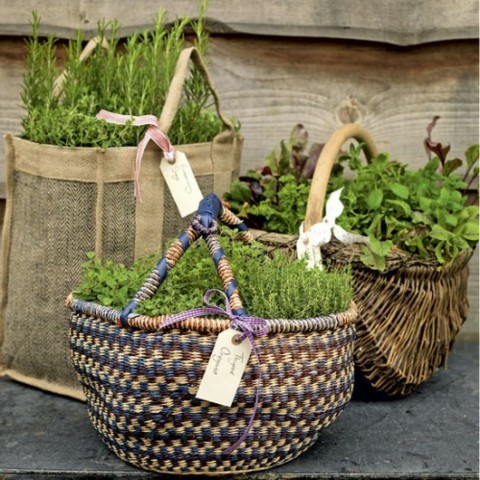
{"points": [[410, 313], [140, 376]]}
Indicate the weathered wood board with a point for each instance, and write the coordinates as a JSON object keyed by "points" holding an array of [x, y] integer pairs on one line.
{"points": [[393, 92], [11, 72], [271, 84], [470, 328], [404, 22]]}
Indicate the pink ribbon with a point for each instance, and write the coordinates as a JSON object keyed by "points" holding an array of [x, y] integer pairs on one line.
{"points": [[153, 133]]}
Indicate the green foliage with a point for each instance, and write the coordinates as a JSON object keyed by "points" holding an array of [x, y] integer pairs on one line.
{"points": [[274, 197], [426, 212], [278, 287], [131, 77], [421, 211], [284, 206]]}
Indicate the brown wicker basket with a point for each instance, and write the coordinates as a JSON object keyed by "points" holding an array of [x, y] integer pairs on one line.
{"points": [[410, 313]]}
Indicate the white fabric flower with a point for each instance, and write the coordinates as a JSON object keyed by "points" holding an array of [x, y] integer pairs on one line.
{"points": [[308, 244]]}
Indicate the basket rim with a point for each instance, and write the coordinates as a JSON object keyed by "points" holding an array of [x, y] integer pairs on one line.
{"points": [[396, 259], [351, 252], [211, 324]]}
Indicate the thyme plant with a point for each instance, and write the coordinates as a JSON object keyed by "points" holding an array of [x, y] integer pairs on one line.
{"points": [[277, 287]]}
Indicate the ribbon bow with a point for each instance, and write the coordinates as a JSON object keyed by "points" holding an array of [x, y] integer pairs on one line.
{"points": [[309, 243], [153, 133], [250, 327]]}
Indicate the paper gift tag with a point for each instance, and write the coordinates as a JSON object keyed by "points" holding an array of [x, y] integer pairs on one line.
{"points": [[182, 183], [225, 368]]}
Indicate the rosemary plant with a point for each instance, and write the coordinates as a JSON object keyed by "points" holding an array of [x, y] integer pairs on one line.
{"points": [[130, 77]]}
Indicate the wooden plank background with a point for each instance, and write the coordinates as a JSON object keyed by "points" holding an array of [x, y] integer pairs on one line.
{"points": [[388, 65], [400, 22]]}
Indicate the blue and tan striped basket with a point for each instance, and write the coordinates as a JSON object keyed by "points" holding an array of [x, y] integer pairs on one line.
{"points": [[140, 375]]}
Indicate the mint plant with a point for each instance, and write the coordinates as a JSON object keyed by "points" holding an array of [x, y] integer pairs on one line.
{"points": [[423, 212], [131, 77], [278, 287], [431, 212]]}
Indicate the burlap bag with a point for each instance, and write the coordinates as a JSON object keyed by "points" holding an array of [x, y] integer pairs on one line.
{"points": [[63, 202]]}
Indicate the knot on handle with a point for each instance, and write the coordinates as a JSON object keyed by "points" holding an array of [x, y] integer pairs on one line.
{"points": [[209, 210]]}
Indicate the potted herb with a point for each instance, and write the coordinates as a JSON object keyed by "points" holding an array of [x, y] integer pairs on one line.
{"points": [[72, 178], [410, 281], [154, 360], [411, 272], [130, 77]]}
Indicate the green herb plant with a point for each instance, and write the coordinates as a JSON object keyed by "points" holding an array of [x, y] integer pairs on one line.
{"points": [[423, 212], [278, 287], [274, 197], [130, 77]]}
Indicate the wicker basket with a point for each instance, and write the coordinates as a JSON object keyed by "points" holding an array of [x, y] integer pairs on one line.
{"points": [[410, 313], [140, 375]]}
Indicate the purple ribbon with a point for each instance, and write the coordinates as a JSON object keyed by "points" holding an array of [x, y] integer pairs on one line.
{"points": [[153, 133], [250, 327]]}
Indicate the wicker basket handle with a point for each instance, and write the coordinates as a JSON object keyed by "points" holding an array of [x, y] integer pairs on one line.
{"points": [[205, 225], [174, 94], [85, 53], [330, 151]]}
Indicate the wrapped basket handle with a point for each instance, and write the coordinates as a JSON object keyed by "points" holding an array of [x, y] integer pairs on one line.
{"points": [[86, 52], [328, 156], [174, 94], [205, 225]]}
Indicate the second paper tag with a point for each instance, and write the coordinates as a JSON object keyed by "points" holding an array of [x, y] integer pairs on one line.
{"points": [[182, 183], [225, 368]]}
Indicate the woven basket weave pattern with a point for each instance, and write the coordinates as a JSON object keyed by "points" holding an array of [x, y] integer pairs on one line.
{"points": [[140, 374], [140, 388], [409, 316]]}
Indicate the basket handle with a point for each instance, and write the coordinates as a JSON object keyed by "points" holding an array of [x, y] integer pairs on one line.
{"points": [[328, 156], [85, 53], [174, 94], [205, 225]]}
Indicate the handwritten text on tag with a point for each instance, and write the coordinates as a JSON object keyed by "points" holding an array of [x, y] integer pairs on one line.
{"points": [[182, 183], [225, 368]]}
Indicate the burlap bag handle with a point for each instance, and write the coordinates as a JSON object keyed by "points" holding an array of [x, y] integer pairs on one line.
{"points": [[85, 53], [328, 156], [176, 87]]}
